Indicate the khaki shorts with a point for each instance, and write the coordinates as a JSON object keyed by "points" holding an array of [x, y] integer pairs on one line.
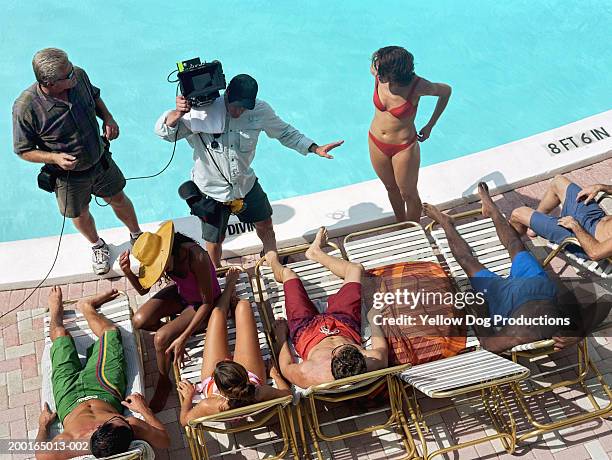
{"points": [[74, 194]]}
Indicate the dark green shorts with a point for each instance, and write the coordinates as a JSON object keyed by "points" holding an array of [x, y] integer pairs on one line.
{"points": [[258, 209], [103, 377]]}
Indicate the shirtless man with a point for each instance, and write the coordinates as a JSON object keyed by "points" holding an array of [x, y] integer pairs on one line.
{"points": [[329, 343], [89, 400], [527, 292], [581, 217]]}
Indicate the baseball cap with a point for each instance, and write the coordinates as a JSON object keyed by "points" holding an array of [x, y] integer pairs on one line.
{"points": [[242, 90]]}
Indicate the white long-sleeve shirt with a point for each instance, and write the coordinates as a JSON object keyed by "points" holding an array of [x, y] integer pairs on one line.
{"points": [[235, 151]]}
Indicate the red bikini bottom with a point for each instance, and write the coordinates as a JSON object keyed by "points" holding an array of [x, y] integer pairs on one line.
{"points": [[391, 149]]}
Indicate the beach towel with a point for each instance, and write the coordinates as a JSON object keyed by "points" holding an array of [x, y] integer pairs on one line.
{"points": [[419, 327]]}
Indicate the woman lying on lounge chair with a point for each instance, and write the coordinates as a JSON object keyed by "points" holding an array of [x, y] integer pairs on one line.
{"points": [[229, 383], [189, 299]]}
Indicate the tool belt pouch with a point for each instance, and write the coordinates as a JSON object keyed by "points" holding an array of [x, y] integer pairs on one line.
{"points": [[201, 206], [47, 177]]}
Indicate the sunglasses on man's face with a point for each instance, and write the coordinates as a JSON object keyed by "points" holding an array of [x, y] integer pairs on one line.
{"points": [[70, 75]]}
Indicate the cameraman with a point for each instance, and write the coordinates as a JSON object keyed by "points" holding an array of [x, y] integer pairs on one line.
{"points": [[54, 122], [222, 169]]}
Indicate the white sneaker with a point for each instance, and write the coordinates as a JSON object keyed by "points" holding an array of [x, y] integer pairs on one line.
{"points": [[101, 259]]}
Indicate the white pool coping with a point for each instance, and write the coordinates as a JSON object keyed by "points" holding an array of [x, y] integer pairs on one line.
{"points": [[342, 210]]}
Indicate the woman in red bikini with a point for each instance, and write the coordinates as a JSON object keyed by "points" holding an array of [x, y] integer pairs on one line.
{"points": [[190, 299], [394, 150]]}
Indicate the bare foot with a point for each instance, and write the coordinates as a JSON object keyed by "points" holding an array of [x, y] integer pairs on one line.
{"points": [[98, 300], [316, 246], [488, 207], [231, 276], [162, 391], [531, 233], [56, 307], [436, 215]]}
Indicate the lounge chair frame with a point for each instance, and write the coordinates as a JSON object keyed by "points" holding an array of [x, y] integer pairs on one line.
{"points": [[590, 265], [534, 350], [340, 390], [135, 453], [489, 390], [226, 422]]}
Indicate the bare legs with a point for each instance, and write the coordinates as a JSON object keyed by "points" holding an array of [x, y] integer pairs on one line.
{"points": [[348, 271], [460, 249], [96, 322], [216, 347], [215, 250], [506, 233], [400, 174], [86, 225], [554, 197], [163, 304], [124, 210]]}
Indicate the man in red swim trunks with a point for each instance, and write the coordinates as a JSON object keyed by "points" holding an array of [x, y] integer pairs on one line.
{"points": [[329, 343]]}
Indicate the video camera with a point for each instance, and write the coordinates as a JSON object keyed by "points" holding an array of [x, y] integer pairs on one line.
{"points": [[200, 82]]}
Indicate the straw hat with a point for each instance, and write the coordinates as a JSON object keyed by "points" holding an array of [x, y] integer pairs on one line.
{"points": [[153, 252]]}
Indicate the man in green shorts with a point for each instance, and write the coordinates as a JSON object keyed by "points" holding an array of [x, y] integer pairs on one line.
{"points": [[90, 399]]}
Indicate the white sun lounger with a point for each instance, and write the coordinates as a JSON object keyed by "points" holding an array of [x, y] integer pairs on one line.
{"points": [[320, 283], [482, 238], [449, 377], [224, 428], [120, 313]]}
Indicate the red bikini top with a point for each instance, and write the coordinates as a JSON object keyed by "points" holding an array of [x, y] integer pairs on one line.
{"points": [[401, 111]]}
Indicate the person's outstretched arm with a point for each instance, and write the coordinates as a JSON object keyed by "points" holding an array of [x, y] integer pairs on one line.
{"points": [[292, 138]]}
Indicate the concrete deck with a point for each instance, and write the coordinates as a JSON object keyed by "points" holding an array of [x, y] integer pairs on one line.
{"points": [[21, 345]]}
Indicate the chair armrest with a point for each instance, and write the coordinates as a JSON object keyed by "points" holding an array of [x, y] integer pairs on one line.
{"points": [[241, 412], [394, 226], [359, 378], [560, 247], [458, 216]]}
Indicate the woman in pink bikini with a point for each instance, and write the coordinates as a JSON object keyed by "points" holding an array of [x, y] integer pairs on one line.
{"points": [[190, 299], [394, 150], [230, 382]]}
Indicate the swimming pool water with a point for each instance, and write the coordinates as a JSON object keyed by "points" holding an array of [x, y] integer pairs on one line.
{"points": [[517, 68]]}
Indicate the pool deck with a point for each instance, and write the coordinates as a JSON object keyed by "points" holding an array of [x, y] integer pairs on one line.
{"points": [[21, 345], [342, 210]]}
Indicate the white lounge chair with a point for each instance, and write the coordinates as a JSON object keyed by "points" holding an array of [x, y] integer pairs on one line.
{"points": [[119, 311], [470, 372], [239, 429], [320, 283], [482, 238]]}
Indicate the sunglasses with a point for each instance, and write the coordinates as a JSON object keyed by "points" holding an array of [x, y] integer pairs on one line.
{"points": [[70, 75]]}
